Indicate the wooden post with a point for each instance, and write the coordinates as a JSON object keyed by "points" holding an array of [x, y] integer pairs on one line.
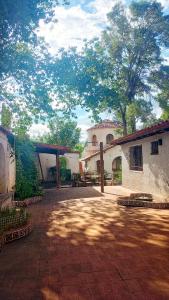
{"points": [[101, 167], [40, 167], [57, 171]]}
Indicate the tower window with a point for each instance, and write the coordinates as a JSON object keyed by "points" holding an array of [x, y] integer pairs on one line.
{"points": [[109, 139], [94, 140]]}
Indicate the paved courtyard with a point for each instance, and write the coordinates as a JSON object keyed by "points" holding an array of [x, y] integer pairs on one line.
{"points": [[84, 246]]}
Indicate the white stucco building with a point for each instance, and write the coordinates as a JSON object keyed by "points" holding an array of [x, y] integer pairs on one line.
{"points": [[144, 159], [46, 161], [105, 132], [7, 167]]}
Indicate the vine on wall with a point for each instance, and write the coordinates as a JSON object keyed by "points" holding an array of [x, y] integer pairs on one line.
{"points": [[27, 184]]}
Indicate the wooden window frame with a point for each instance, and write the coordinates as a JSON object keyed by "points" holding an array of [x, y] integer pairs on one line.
{"points": [[154, 148]]}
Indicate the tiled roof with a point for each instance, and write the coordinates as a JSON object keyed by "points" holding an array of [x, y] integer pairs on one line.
{"points": [[138, 135], [106, 124]]}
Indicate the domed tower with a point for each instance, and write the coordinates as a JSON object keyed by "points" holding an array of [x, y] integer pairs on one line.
{"points": [[105, 132]]}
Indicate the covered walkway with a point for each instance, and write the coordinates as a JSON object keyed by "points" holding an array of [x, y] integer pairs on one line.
{"points": [[85, 247]]}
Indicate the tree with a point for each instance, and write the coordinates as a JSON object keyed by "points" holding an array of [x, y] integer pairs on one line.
{"points": [[6, 117], [63, 131], [161, 79], [113, 72], [23, 72]]}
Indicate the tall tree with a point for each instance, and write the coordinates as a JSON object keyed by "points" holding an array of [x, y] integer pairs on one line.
{"points": [[161, 79], [113, 72], [63, 131], [24, 82]]}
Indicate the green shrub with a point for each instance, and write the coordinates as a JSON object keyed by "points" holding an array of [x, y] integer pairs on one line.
{"points": [[11, 218], [27, 183]]}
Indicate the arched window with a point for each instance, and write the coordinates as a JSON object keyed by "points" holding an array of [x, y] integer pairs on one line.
{"points": [[117, 170], [109, 138], [94, 140], [116, 164]]}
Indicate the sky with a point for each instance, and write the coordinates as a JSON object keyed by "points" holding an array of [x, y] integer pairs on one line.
{"points": [[82, 19]]}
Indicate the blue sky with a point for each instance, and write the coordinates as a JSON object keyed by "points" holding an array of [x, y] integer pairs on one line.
{"points": [[83, 19]]}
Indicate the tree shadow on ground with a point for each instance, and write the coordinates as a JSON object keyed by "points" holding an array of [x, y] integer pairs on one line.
{"points": [[89, 249]]}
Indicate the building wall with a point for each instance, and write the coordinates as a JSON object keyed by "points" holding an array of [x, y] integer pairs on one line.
{"points": [[7, 166], [72, 162], [155, 175], [49, 160], [109, 157], [101, 134], [12, 171]]}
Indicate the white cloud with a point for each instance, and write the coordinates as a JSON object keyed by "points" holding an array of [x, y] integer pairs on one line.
{"points": [[38, 130], [75, 24], [165, 3]]}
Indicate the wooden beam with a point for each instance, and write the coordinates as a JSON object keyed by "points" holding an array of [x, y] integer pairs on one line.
{"points": [[40, 167], [101, 167], [57, 171]]}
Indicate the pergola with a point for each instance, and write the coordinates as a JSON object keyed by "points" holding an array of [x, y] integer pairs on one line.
{"points": [[52, 149]]}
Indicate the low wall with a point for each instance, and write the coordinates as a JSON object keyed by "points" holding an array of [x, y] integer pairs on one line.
{"points": [[15, 234], [27, 201]]}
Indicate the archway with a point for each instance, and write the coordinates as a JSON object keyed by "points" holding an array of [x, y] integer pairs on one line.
{"points": [[2, 170], [109, 138], [117, 170]]}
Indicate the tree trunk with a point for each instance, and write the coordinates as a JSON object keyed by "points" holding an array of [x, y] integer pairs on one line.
{"points": [[124, 122], [133, 124]]}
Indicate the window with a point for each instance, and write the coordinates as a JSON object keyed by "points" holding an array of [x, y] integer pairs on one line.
{"points": [[136, 158], [109, 139], [154, 148], [94, 140]]}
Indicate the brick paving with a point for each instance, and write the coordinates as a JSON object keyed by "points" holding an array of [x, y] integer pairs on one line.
{"points": [[84, 246]]}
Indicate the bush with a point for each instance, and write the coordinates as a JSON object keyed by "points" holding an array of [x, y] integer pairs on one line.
{"points": [[11, 218], [27, 183]]}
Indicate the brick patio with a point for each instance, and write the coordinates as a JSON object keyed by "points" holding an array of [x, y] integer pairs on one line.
{"points": [[84, 246]]}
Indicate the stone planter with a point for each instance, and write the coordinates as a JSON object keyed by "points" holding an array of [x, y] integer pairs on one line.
{"points": [[27, 202], [15, 234], [139, 203]]}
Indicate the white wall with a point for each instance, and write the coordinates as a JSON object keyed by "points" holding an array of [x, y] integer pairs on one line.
{"points": [[101, 134], [7, 166], [108, 157], [72, 162], [49, 160], [155, 175]]}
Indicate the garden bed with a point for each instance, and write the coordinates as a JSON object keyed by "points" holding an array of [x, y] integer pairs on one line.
{"points": [[14, 224]]}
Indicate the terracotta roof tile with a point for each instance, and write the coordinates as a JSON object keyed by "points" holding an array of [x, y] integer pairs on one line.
{"points": [[106, 124]]}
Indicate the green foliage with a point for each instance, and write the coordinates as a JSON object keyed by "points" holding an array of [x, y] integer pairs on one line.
{"points": [[117, 177], [63, 131], [21, 124], [6, 116], [80, 148], [161, 79], [63, 162], [12, 218], [112, 73], [65, 175], [26, 170], [24, 72]]}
